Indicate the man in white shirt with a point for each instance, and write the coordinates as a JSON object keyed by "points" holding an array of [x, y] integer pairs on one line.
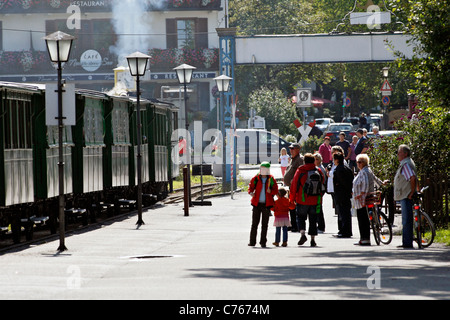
{"points": [[405, 184]]}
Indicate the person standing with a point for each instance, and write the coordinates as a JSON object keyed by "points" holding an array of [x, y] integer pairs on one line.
{"points": [[405, 184], [284, 161], [296, 161], [362, 186], [343, 182], [308, 205], [352, 157], [262, 188], [325, 152], [320, 218], [281, 213], [361, 146], [345, 145]]}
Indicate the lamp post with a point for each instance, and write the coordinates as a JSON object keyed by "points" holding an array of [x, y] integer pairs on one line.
{"points": [[223, 85], [137, 63], [184, 75], [59, 45]]}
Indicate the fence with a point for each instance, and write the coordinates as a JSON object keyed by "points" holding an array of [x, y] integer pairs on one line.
{"points": [[436, 198]]}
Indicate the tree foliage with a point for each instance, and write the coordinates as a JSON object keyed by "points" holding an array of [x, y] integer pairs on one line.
{"points": [[278, 111], [428, 21]]}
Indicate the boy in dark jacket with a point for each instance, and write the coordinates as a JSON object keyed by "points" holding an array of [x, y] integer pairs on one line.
{"points": [[308, 206], [262, 188]]}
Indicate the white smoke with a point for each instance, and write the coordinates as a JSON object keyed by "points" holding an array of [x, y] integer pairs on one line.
{"points": [[132, 24]]}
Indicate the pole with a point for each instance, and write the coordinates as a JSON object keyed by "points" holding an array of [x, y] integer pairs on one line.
{"points": [[224, 149], [62, 246], [187, 147], [139, 155], [186, 192]]}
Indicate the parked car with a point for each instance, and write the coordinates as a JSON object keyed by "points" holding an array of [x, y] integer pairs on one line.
{"points": [[255, 146], [386, 133], [373, 121], [334, 129], [323, 123], [353, 120]]}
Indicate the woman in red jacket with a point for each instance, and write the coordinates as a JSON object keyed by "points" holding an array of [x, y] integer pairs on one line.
{"points": [[308, 206], [262, 188]]}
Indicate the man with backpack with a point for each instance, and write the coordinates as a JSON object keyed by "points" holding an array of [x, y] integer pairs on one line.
{"points": [[307, 189]]}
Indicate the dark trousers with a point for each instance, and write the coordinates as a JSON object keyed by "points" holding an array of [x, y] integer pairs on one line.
{"points": [[307, 212], [363, 223], [260, 211], [293, 214], [344, 207]]}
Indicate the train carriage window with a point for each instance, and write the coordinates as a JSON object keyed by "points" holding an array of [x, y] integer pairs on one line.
{"points": [[93, 122], [53, 136], [17, 121], [121, 125]]}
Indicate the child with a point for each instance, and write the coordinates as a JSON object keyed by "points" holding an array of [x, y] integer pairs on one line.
{"points": [[281, 212], [284, 161], [262, 188]]}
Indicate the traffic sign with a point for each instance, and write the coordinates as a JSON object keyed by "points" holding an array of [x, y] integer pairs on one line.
{"points": [[386, 100], [386, 88], [348, 102], [304, 97]]}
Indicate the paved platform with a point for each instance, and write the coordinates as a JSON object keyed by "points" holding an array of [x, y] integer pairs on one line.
{"points": [[205, 256]]}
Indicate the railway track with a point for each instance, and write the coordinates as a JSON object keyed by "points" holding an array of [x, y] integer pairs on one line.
{"points": [[178, 195]]}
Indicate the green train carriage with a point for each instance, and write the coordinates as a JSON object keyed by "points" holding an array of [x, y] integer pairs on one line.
{"points": [[100, 148]]}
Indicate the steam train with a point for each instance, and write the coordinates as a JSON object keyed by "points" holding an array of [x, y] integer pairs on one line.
{"points": [[99, 156]]}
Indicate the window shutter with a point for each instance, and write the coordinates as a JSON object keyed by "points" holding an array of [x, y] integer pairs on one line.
{"points": [[171, 33], [201, 39]]}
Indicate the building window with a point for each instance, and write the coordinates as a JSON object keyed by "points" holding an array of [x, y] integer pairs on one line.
{"points": [[187, 33]]}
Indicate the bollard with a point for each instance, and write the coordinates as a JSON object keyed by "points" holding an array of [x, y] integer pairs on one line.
{"points": [[186, 191]]}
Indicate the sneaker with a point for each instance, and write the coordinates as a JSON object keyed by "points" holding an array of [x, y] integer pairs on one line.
{"points": [[284, 244], [313, 243], [302, 240], [276, 244]]}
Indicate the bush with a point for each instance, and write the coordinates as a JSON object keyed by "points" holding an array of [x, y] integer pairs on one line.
{"points": [[311, 145]]}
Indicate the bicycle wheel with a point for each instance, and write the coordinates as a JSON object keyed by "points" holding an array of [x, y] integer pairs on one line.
{"points": [[385, 228], [374, 225], [427, 230]]}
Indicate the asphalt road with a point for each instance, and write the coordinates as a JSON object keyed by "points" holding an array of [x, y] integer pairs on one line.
{"points": [[205, 256]]}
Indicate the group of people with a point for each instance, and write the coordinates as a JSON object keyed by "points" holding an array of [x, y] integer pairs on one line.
{"points": [[307, 178]]}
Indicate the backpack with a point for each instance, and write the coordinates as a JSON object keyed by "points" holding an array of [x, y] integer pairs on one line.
{"points": [[314, 185]]}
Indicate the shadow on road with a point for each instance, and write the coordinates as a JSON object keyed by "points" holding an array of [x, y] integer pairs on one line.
{"points": [[344, 274]]}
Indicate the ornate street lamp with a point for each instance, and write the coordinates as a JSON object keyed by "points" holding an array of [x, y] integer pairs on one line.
{"points": [[385, 71], [184, 75], [137, 63], [223, 85], [59, 45]]}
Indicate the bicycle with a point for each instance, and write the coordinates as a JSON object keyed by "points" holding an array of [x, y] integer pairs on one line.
{"points": [[382, 229], [423, 225]]}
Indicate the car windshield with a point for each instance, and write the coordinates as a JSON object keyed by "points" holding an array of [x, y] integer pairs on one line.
{"points": [[341, 127], [322, 121]]}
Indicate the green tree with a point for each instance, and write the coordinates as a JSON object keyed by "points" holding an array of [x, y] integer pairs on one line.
{"points": [[277, 110], [428, 21]]}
